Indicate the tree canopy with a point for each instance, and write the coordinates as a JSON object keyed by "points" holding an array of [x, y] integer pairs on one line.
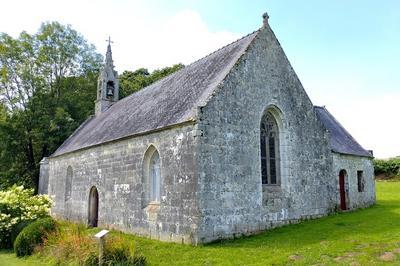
{"points": [[48, 86], [133, 81]]}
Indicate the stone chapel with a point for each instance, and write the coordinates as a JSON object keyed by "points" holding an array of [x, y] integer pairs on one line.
{"points": [[229, 145]]}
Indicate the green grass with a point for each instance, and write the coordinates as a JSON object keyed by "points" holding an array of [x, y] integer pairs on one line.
{"points": [[355, 237], [8, 258]]}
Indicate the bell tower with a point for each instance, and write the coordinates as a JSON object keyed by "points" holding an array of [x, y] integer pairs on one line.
{"points": [[107, 84]]}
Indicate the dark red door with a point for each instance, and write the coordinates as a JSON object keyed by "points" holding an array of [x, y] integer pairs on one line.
{"points": [[342, 191]]}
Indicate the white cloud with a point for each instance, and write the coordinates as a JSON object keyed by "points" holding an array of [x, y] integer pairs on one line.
{"points": [[371, 118], [373, 121], [141, 38], [369, 110], [182, 38]]}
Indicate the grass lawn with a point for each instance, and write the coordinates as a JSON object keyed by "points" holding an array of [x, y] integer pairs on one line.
{"points": [[364, 237]]}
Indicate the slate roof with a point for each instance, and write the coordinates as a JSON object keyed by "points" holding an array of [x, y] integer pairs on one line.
{"points": [[171, 100], [341, 141]]}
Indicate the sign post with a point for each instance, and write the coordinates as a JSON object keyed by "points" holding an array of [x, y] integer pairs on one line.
{"points": [[101, 235]]}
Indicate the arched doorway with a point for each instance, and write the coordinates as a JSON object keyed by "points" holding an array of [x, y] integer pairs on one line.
{"points": [[342, 189], [93, 207]]}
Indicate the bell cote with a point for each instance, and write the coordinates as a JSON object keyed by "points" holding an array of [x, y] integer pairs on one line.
{"points": [[107, 85]]}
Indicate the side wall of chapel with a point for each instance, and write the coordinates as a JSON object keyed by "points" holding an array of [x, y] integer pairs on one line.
{"points": [[117, 171]]}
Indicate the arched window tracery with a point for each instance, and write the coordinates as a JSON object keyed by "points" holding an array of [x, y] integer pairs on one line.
{"points": [[269, 145]]}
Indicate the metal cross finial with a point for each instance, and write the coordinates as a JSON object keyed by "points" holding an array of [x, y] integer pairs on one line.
{"points": [[109, 40]]}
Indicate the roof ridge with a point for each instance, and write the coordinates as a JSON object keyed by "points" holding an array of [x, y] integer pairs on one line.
{"points": [[329, 113], [207, 99], [347, 133], [167, 101], [194, 62], [241, 38]]}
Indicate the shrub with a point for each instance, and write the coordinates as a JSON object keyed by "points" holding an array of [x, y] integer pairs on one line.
{"points": [[72, 243], [33, 235], [17, 229], [117, 252], [18, 205], [69, 243], [92, 259], [389, 167]]}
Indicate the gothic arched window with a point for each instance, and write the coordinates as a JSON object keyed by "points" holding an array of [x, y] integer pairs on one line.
{"points": [[155, 177], [151, 178], [269, 145], [68, 183]]}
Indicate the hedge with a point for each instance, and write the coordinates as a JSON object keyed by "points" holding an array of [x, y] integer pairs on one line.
{"points": [[33, 235]]}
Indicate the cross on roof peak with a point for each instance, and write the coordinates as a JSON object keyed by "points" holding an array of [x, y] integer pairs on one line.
{"points": [[109, 40]]}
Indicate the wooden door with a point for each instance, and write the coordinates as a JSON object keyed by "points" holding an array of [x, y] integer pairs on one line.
{"points": [[93, 207], [342, 190]]}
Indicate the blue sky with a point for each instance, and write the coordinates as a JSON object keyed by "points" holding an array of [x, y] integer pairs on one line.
{"points": [[346, 53]]}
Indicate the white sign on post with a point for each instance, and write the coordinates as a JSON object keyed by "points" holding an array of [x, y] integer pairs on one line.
{"points": [[101, 234]]}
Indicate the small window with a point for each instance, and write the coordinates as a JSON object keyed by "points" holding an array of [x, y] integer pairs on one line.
{"points": [[68, 183], [360, 181]]}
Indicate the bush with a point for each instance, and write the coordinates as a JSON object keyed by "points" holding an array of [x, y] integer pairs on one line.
{"points": [[74, 244], [69, 243], [17, 229], [18, 205], [390, 167], [33, 235], [117, 252]]}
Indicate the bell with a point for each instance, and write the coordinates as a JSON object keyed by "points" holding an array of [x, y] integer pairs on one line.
{"points": [[110, 92]]}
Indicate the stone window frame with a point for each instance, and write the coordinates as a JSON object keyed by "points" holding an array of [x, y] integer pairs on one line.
{"points": [[360, 181], [275, 113], [147, 178], [68, 183]]}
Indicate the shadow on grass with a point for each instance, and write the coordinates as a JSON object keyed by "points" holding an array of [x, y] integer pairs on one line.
{"points": [[6, 251], [380, 219]]}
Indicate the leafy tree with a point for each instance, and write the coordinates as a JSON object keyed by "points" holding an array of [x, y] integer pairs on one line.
{"points": [[47, 88], [131, 82], [160, 73]]}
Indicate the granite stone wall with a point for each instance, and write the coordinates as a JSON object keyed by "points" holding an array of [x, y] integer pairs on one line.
{"points": [[232, 200], [116, 169], [351, 164]]}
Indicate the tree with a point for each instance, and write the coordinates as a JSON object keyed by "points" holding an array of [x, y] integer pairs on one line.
{"points": [[47, 88], [131, 82]]}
